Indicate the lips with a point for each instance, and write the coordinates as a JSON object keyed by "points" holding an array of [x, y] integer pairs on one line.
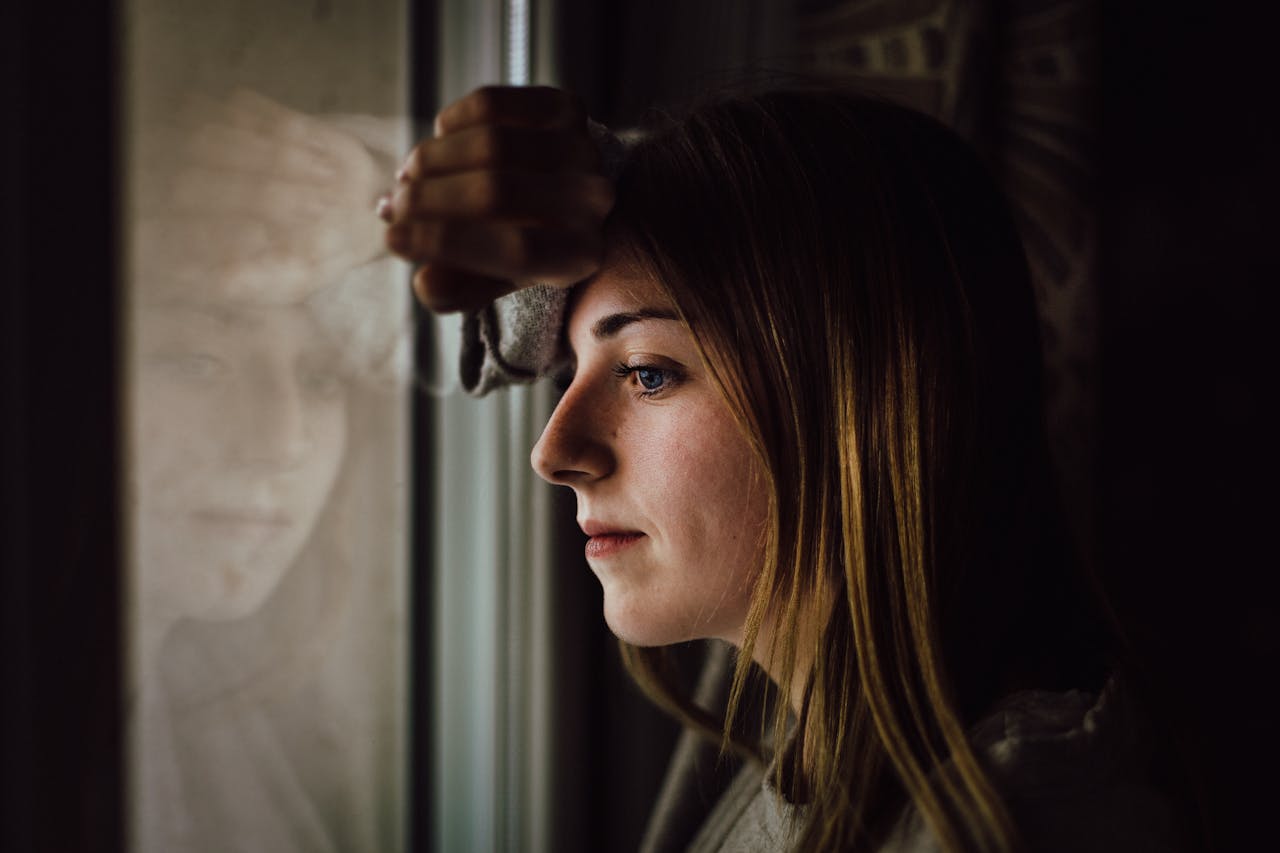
{"points": [[611, 543], [607, 540]]}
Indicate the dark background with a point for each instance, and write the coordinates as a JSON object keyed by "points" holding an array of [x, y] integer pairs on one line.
{"points": [[60, 672], [1188, 199], [1183, 192]]}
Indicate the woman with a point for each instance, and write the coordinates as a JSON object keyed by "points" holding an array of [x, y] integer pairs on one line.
{"points": [[805, 418]]}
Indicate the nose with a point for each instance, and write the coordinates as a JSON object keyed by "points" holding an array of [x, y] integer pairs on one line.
{"points": [[573, 449], [273, 430]]}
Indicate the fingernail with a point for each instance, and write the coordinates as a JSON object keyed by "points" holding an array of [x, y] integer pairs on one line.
{"points": [[383, 208], [402, 175]]}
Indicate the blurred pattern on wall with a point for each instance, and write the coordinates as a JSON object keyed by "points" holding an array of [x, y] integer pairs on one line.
{"points": [[1020, 81]]}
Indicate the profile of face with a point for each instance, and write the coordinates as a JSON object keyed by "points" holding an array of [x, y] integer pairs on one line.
{"points": [[239, 430], [668, 490]]}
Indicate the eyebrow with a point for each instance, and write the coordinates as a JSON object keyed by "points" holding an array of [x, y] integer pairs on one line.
{"points": [[608, 326]]}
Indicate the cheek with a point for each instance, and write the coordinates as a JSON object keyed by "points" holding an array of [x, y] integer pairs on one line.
{"points": [[708, 492]]}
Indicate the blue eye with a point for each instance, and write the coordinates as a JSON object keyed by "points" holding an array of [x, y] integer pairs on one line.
{"points": [[651, 378]]}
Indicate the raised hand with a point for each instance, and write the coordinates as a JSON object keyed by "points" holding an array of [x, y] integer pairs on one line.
{"points": [[507, 194]]}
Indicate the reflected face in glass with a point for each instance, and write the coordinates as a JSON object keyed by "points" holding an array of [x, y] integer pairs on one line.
{"points": [[240, 428], [667, 487]]}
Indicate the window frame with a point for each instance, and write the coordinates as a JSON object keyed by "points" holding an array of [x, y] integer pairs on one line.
{"points": [[61, 588]]}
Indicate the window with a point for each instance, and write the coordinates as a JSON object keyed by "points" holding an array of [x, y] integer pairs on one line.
{"points": [[267, 363], [219, 448]]}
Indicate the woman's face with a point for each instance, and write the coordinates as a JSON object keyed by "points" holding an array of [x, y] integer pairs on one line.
{"points": [[667, 487], [240, 427]]}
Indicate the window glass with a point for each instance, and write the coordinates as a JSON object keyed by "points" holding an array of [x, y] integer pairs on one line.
{"points": [[268, 357]]}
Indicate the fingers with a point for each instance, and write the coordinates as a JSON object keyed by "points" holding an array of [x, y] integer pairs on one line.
{"points": [[507, 193], [445, 289], [513, 106], [494, 146], [504, 197], [558, 255]]}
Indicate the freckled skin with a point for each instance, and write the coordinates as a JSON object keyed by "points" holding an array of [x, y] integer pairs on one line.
{"points": [[673, 466]]}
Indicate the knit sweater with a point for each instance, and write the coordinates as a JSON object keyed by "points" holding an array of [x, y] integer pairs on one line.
{"points": [[1070, 766]]}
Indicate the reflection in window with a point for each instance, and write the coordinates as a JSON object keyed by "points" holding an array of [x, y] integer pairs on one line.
{"points": [[267, 366]]}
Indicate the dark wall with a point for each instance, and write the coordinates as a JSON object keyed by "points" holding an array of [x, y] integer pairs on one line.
{"points": [[1189, 193], [60, 715]]}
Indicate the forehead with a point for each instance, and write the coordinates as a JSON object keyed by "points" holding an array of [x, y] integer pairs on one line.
{"points": [[616, 289]]}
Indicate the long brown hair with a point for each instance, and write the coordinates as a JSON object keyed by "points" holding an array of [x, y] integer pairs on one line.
{"points": [[860, 296]]}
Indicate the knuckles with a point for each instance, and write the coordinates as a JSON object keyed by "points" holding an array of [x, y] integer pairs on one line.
{"points": [[562, 253], [491, 149], [520, 250], [499, 104], [501, 194], [489, 193], [512, 197], [484, 103], [417, 241]]}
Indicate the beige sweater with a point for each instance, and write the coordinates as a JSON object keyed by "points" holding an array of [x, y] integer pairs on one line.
{"points": [[1071, 767]]}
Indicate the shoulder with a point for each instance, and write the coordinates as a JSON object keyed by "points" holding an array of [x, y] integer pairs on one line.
{"points": [[1073, 770], [751, 817]]}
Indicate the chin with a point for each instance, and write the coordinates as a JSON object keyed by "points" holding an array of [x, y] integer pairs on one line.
{"points": [[640, 626]]}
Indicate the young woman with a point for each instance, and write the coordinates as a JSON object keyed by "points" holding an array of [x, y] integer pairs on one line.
{"points": [[805, 418]]}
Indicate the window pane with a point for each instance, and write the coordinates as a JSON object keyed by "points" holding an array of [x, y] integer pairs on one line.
{"points": [[268, 355]]}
